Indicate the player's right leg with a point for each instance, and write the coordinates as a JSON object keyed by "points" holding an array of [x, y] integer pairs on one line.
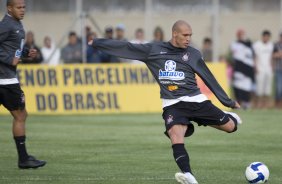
{"points": [[176, 134], [178, 127], [25, 161], [14, 101]]}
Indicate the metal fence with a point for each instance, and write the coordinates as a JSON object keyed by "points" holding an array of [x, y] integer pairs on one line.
{"points": [[214, 10], [158, 5]]}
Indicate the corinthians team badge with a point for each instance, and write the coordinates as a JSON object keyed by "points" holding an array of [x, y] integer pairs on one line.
{"points": [[185, 57]]}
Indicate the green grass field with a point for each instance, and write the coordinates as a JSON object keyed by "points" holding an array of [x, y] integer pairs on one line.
{"points": [[131, 149]]}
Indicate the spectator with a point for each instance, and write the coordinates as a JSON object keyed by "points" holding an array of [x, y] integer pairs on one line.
{"points": [[139, 39], [243, 63], [120, 29], [88, 30], [120, 32], [93, 55], [51, 54], [264, 71], [30, 44], [72, 52], [109, 33], [277, 64], [104, 57], [207, 49], [158, 34]]}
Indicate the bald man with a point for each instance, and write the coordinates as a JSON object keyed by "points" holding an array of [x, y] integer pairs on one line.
{"points": [[174, 65], [11, 96]]}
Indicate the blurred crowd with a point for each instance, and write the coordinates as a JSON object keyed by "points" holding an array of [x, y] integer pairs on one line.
{"points": [[254, 70], [72, 51]]}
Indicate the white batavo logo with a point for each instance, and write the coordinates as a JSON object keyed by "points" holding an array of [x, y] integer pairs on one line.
{"points": [[170, 73], [18, 53]]}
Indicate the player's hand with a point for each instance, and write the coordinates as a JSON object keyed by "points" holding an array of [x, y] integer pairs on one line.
{"points": [[237, 105], [16, 61], [90, 42], [32, 53]]}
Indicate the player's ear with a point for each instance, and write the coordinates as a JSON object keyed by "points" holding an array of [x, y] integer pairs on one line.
{"points": [[9, 8], [174, 33]]}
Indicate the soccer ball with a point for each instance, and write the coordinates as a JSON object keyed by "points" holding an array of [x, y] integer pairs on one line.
{"points": [[257, 172]]}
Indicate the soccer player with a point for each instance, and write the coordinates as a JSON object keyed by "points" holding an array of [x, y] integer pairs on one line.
{"points": [[264, 69], [174, 64], [11, 96]]}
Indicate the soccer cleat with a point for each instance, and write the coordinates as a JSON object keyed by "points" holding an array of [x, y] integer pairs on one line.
{"points": [[31, 162], [186, 178], [239, 121]]}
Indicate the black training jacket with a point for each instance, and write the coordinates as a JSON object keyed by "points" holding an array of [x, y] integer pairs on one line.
{"points": [[12, 37], [173, 68]]}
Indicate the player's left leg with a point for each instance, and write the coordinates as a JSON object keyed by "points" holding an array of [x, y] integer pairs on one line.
{"points": [[210, 115], [231, 125]]}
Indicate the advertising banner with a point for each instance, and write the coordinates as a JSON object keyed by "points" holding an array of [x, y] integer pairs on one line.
{"points": [[97, 88]]}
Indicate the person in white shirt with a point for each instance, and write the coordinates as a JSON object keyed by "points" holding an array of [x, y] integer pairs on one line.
{"points": [[264, 72], [51, 54], [139, 39]]}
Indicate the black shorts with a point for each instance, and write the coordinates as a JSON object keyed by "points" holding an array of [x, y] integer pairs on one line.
{"points": [[204, 113], [12, 97]]}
